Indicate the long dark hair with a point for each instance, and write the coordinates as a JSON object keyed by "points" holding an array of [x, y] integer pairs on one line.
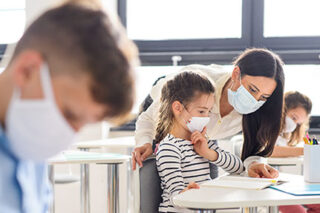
{"points": [[184, 87], [261, 128]]}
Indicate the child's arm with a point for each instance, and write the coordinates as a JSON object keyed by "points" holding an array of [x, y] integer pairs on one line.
{"points": [[227, 161], [169, 169], [209, 150], [286, 151]]}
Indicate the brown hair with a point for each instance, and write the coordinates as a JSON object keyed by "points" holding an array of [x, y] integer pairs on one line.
{"points": [[185, 87], [77, 39], [293, 100], [261, 128]]}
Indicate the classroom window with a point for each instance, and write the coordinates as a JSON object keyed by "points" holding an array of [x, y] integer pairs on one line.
{"points": [[212, 31], [180, 19], [300, 19], [12, 20]]}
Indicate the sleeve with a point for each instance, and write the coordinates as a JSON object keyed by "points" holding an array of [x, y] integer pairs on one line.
{"points": [[169, 168], [146, 124], [251, 159], [227, 161]]}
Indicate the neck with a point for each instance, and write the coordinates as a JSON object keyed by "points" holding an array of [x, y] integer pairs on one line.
{"points": [[6, 89], [179, 131], [225, 107]]}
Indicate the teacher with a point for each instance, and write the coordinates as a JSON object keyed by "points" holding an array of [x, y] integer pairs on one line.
{"points": [[250, 98]]}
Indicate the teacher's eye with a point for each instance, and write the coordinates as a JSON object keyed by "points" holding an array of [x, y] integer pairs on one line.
{"points": [[252, 90]]}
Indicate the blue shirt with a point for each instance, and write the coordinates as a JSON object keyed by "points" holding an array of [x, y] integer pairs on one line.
{"points": [[24, 185]]}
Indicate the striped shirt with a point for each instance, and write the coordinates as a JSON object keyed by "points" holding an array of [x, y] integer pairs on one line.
{"points": [[178, 165]]}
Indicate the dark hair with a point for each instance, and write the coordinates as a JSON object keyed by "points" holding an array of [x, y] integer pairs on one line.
{"points": [[184, 87], [261, 128], [293, 100], [77, 39]]}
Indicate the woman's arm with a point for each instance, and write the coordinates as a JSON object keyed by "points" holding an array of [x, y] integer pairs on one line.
{"points": [[287, 151]]}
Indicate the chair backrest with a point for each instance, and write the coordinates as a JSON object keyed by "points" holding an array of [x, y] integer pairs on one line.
{"points": [[150, 186]]}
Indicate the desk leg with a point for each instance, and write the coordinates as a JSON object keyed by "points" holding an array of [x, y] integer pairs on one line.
{"points": [[51, 178], [113, 188], [84, 189], [273, 209], [249, 210]]}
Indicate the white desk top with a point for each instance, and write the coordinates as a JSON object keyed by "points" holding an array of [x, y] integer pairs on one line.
{"points": [[79, 157], [121, 142], [219, 197], [285, 161]]}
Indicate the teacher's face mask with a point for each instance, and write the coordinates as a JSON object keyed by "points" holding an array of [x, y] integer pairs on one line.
{"points": [[36, 128], [242, 101]]}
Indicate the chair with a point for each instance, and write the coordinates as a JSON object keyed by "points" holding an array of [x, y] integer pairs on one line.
{"points": [[148, 196]]}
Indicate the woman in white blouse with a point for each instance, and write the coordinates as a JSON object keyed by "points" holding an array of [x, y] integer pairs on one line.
{"points": [[249, 98]]}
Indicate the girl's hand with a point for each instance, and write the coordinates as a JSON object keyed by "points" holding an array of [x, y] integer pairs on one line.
{"points": [[200, 145], [191, 185]]}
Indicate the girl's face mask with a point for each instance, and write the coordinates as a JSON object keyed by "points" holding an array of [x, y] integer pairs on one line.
{"points": [[196, 123]]}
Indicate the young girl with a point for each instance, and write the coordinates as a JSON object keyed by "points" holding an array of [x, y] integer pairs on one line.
{"points": [[184, 153], [295, 121]]}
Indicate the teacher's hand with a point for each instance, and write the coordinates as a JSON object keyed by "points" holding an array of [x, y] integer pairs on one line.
{"points": [[140, 154], [261, 170]]}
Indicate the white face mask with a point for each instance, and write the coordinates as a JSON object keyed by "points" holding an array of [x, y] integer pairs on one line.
{"points": [[242, 101], [290, 125], [197, 123], [36, 128]]}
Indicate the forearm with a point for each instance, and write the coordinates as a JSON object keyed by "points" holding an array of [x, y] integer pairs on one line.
{"points": [[227, 161], [282, 151]]}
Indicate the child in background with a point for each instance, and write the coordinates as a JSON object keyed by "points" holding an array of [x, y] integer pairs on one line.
{"points": [[184, 153], [295, 122]]}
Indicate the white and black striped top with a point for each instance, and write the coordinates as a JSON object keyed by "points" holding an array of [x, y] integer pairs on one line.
{"points": [[178, 165]]}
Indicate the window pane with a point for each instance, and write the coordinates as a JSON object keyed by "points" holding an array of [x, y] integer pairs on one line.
{"points": [[291, 18], [304, 79], [12, 20], [11, 30], [183, 19]]}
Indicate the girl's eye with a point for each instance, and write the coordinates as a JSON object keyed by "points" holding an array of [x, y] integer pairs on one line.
{"points": [[201, 112]]}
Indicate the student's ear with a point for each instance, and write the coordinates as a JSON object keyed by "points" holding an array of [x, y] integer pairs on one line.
{"points": [[26, 67], [177, 107], [236, 74], [25, 70]]}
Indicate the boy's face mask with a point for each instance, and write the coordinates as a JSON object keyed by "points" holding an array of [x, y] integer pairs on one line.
{"points": [[242, 101], [36, 128]]}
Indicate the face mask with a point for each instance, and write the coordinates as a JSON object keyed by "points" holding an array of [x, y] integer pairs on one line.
{"points": [[197, 123], [36, 129], [290, 125], [242, 101]]}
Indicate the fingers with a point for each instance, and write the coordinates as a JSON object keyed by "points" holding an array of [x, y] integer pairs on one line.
{"points": [[264, 171], [204, 131], [253, 173], [138, 157], [273, 172], [133, 161], [147, 152], [193, 185]]}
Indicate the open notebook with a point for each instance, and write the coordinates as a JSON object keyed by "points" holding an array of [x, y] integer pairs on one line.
{"points": [[241, 182]]}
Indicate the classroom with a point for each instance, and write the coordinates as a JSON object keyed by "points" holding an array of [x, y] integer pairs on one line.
{"points": [[126, 106]]}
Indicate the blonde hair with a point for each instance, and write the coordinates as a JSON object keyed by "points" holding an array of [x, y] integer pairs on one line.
{"points": [[293, 100], [184, 87]]}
